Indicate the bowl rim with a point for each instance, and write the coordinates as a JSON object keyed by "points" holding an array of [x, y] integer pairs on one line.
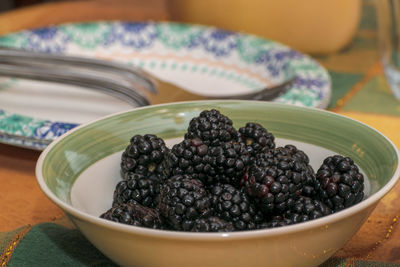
{"points": [[194, 236]]}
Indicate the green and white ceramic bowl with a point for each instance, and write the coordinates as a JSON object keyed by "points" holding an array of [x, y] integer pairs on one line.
{"points": [[79, 171]]}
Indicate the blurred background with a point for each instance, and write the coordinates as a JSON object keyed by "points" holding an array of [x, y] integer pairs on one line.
{"points": [[309, 26]]}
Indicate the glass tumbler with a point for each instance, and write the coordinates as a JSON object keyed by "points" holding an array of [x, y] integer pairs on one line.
{"points": [[388, 14]]}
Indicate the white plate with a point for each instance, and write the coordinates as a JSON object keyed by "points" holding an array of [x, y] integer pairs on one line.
{"points": [[200, 59]]}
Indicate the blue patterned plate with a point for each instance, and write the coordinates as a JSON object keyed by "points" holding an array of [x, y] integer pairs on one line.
{"points": [[200, 59]]}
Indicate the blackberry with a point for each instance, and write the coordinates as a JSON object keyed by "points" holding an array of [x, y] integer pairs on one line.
{"points": [[308, 171], [212, 128], [183, 200], [302, 210], [233, 205], [136, 188], [134, 214], [187, 157], [305, 209], [278, 177], [227, 163], [276, 221], [224, 163], [212, 224], [146, 155], [339, 183], [256, 138], [297, 153]]}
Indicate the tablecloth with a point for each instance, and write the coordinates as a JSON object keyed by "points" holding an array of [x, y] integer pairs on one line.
{"points": [[359, 91]]}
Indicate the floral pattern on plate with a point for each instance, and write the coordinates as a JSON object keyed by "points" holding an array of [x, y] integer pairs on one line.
{"points": [[191, 55]]}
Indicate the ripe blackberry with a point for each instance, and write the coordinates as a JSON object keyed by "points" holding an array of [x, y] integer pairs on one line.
{"points": [[187, 157], [183, 200], [136, 188], [224, 163], [305, 209], [277, 178], [309, 174], [256, 138], [276, 221], [339, 183], [233, 205], [302, 210], [227, 163], [212, 128], [134, 214], [212, 224], [297, 153], [146, 155]]}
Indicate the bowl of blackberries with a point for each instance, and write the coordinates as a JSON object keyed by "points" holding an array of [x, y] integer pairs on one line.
{"points": [[219, 183]]}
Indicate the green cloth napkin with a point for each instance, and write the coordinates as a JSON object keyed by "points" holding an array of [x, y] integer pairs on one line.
{"points": [[50, 244]]}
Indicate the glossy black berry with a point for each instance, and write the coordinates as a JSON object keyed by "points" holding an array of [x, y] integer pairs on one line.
{"points": [[278, 177], [225, 163], [256, 138], [183, 200], [137, 188], [188, 157], [274, 222], [146, 155], [212, 224], [134, 214], [234, 205], [212, 128], [306, 209], [340, 184]]}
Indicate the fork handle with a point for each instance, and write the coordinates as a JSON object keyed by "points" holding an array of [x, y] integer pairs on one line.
{"points": [[131, 73], [127, 94]]}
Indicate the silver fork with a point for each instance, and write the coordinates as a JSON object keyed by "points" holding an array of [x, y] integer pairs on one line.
{"points": [[121, 80]]}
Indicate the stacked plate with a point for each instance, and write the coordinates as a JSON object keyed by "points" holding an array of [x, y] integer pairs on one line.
{"points": [[199, 59]]}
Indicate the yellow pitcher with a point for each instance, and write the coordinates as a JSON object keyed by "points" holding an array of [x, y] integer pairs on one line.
{"points": [[311, 26]]}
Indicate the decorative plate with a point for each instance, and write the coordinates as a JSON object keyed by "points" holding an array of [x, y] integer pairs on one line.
{"points": [[200, 59]]}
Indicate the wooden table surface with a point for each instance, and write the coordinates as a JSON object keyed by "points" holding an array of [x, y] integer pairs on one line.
{"points": [[22, 202]]}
